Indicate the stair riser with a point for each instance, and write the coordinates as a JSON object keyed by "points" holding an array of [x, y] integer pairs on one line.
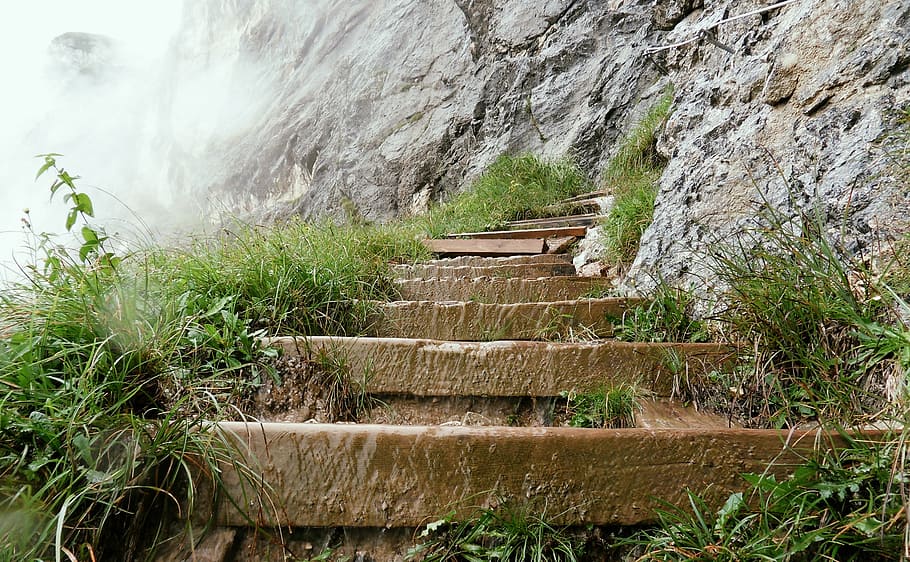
{"points": [[375, 476], [498, 290], [474, 261], [472, 321], [520, 271], [511, 368]]}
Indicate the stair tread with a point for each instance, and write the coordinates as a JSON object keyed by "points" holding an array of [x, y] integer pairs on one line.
{"points": [[331, 475], [425, 367]]}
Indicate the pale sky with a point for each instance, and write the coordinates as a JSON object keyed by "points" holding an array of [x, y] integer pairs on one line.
{"points": [[142, 31]]}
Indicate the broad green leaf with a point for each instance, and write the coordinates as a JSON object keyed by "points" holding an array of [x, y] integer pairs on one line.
{"points": [[89, 235], [66, 178], [84, 204], [71, 218]]}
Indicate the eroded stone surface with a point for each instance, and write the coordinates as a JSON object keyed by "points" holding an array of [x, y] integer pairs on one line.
{"points": [[511, 368], [474, 321]]}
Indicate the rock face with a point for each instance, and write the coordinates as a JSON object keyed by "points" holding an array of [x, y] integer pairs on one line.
{"points": [[390, 105], [393, 104], [802, 116]]}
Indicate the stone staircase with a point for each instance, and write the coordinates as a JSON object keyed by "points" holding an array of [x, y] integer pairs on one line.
{"points": [[481, 345]]}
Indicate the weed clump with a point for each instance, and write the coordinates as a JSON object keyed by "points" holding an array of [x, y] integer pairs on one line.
{"points": [[667, 317], [512, 188], [612, 408], [632, 177], [510, 533], [844, 504], [813, 318]]}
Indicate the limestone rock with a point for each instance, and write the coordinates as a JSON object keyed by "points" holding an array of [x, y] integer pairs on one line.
{"points": [[391, 106], [800, 117]]}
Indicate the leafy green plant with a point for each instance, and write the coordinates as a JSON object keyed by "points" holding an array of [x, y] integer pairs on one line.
{"points": [[508, 533], [93, 238], [512, 188], [632, 177], [95, 440], [845, 504], [613, 407]]}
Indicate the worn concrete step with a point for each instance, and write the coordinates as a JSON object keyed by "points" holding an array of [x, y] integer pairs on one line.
{"points": [[554, 232], [424, 367], [507, 271], [501, 290], [403, 476], [480, 261], [474, 321]]}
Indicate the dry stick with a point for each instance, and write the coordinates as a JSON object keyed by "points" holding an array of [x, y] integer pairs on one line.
{"points": [[701, 33]]}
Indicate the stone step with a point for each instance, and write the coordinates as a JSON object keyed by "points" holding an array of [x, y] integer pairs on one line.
{"points": [[489, 247], [555, 232], [424, 367], [404, 476], [507, 271], [478, 261], [474, 321], [500, 290], [588, 219]]}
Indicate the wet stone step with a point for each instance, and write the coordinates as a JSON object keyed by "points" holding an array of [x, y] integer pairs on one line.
{"points": [[508, 271], [500, 290], [522, 234], [423, 367], [331, 475], [489, 247], [478, 261], [474, 321]]}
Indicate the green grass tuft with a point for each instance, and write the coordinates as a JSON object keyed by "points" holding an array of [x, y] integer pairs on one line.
{"points": [[632, 177], [668, 317], [508, 533], [512, 188], [612, 408]]}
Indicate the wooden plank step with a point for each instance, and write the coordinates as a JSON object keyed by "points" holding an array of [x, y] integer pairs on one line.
{"points": [[587, 196], [404, 476], [569, 220], [480, 261], [473, 321], [525, 233], [501, 290], [499, 246], [509, 271], [422, 367]]}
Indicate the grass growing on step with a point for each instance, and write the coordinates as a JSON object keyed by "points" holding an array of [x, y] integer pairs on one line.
{"points": [[295, 278], [667, 317], [509, 533], [632, 176], [612, 407], [846, 504], [512, 188]]}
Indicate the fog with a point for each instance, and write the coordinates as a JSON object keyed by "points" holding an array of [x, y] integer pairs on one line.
{"points": [[104, 123]]}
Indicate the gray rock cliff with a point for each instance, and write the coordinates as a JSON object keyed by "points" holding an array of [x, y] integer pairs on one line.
{"points": [[395, 103]]}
